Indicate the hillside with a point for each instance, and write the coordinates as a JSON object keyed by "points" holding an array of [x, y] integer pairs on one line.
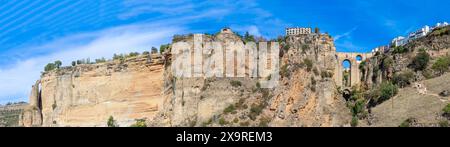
{"points": [[425, 108]]}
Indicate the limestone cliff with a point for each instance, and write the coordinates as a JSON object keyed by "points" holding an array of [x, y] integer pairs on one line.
{"points": [[87, 94], [306, 95]]}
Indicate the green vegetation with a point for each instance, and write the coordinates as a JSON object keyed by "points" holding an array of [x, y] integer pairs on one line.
{"points": [[264, 122], [244, 124], [309, 64], [387, 90], [111, 122], [249, 38], [399, 50], [443, 123], [229, 109], [441, 65], [235, 120], [284, 71], [446, 111], [403, 79], [387, 63], [163, 48], [51, 66], [101, 60], [222, 121], [316, 71], [139, 123], [421, 60], [441, 31], [236, 83], [407, 122], [326, 74], [255, 110], [154, 50], [382, 93], [354, 121], [304, 48]]}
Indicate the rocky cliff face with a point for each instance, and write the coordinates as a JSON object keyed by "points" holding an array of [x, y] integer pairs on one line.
{"points": [[306, 95], [86, 95], [138, 88]]}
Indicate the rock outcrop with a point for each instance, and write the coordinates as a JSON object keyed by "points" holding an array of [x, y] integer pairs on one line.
{"points": [[306, 95], [87, 94]]}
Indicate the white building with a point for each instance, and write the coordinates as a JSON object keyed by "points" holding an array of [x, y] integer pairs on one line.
{"points": [[399, 41], [298, 31], [441, 25], [419, 33]]}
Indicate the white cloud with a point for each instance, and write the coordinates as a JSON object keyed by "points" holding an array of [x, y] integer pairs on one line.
{"points": [[17, 79], [346, 34]]}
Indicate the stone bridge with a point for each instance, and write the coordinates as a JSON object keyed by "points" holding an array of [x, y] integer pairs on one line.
{"points": [[354, 76]]}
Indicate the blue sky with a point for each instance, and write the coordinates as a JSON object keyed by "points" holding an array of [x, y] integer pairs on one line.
{"points": [[35, 32]]}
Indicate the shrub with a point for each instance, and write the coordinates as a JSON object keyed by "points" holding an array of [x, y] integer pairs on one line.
{"points": [[443, 123], [316, 71], [222, 121], [387, 90], [229, 109], [387, 63], [308, 63], [284, 71], [111, 122], [235, 120], [441, 65], [399, 50], [74, 63], [101, 60], [326, 74], [264, 122], [403, 79], [244, 124], [255, 110], [154, 50], [354, 121], [236, 83], [139, 123], [407, 122], [304, 48], [145, 53], [421, 60], [49, 67], [446, 110]]}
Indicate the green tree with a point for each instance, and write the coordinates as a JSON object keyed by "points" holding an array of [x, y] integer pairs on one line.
{"points": [[308, 63], [49, 67], [387, 90], [402, 79], [74, 63], [163, 48], [421, 60], [154, 50], [58, 64], [111, 122], [248, 37], [139, 123], [441, 65]]}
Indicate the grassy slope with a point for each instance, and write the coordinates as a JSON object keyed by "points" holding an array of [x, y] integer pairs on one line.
{"points": [[409, 103]]}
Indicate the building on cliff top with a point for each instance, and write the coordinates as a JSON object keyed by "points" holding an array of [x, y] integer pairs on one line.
{"points": [[298, 31]]}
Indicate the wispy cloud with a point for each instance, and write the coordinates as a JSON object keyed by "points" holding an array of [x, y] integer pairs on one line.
{"points": [[16, 81], [346, 34]]}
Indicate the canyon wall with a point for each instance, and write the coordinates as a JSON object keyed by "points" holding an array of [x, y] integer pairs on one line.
{"points": [[88, 94]]}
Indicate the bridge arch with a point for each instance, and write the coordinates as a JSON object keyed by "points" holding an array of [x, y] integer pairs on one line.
{"points": [[354, 73]]}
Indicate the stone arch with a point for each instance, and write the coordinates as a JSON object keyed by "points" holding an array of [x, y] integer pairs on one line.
{"points": [[346, 73], [355, 74]]}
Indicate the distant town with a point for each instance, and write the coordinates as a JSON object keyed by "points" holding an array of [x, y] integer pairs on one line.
{"points": [[397, 41]]}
